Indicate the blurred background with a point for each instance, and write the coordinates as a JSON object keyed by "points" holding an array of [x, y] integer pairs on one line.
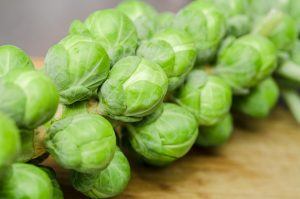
{"points": [[35, 25]]}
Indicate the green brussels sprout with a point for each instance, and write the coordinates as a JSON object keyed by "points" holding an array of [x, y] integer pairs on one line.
{"points": [[207, 26], [292, 100], [246, 62], [85, 142], [29, 97], [27, 181], [258, 8], [32, 145], [135, 88], [164, 21], [9, 142], [207, 97], [280, 28], [293, 10], [215, 135], [142, 14], [57, 193], [12, 58], [174, 51], [113, 30], [165, 136], [260, 101], [235, 11], [107, 183], [78, 65]]}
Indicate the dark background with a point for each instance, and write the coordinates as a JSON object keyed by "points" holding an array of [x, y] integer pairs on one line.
{"points": [[35, 25]]}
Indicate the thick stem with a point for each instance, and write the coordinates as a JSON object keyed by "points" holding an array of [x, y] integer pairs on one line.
{"points": [[292, 99], [290, 71]]}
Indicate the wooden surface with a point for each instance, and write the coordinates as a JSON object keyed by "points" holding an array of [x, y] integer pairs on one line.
{"points": [[261, 160]]}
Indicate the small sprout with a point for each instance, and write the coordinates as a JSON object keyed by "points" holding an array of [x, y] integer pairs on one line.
{"points": [[174, 51], [85, 142], [217, 134], [164, 136], [206, 24], [57, 192], [207, 97], [107, 183], [260, 101], [27, 181], [12, 58], [143, 16], [135, 88], [78, 65], [29, 97]]}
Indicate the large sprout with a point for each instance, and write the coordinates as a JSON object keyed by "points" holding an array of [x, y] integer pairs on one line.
{"points": [[142, 14], [165, 136], [174, 51], [27, 181], [84, 142], [260, 101], [217, 134], [246, 61], [135, 88], [113, 30], [29, 97], [207, 97], [106, 183], [9, 142], [206, 24], [12, 57], [78, 65]]}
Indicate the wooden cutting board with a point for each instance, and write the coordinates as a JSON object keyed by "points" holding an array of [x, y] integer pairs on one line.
{"points": [[261, 160]]}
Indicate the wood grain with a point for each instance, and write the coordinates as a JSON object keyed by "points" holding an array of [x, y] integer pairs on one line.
{"points": [[261, 160]]}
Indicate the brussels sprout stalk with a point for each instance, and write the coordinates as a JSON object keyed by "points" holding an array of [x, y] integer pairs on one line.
{"points": [[289, 70], [292, 100]]}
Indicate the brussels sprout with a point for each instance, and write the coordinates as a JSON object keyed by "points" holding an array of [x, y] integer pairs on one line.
{"points": [[207, 97], [216, 134], [165, 136], [29, 97], [280, 28], [135, 88], [12, 58], [293, 10], [207, 26], [259, 102], [113, 30], [27, 181], [78, 66], [174, 51], [246, 62], [107, 183], [9, 142], [235, 11], [32, 145], [292, 100], [258, 8], [164, 21], [85, 142], [142, 14], [57, 193]]}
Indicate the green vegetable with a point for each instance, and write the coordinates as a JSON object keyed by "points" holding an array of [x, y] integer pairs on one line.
{"points": [[27, 181], [216, 134], [260, 101], [280, 28], [142, 14], [85, 142], [106, 183], [174, 51], [9, 142], [293, 10], [29, 97], [246, 62], [57, 193], [292, 100], [165, 136], [135, 88], [12, 58], [164, 21], [78, 65], [207, 97], [113, 30], [207, 26]]}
